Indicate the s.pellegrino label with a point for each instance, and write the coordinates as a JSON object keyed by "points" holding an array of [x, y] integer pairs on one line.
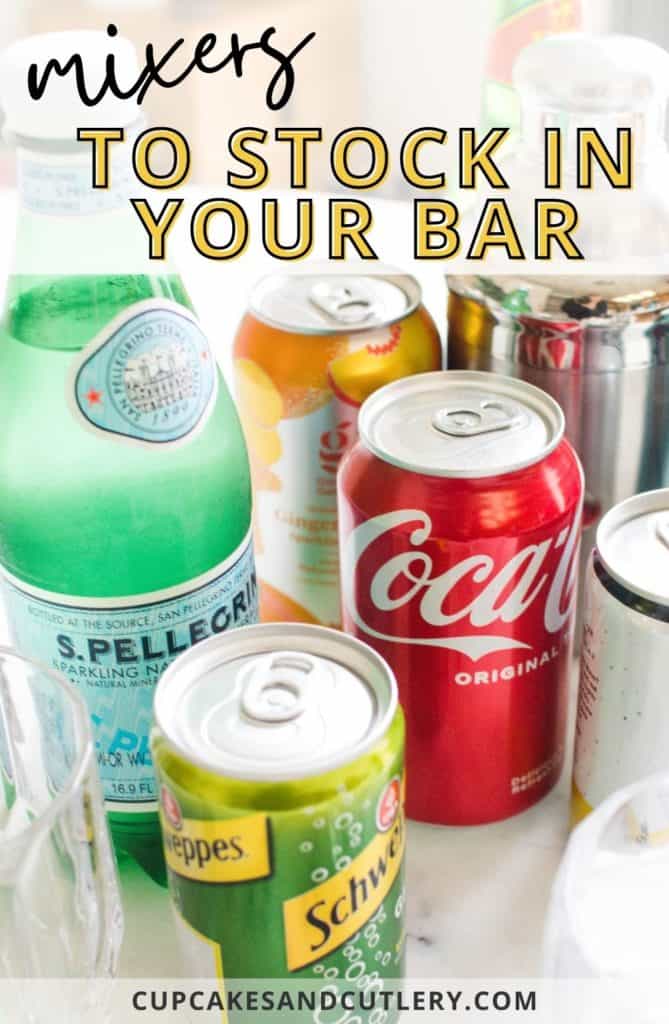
{"points": [[114, 651], [148, 378]]}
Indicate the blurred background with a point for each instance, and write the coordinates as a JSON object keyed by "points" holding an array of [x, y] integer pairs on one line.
{"points": [[392, 66]]}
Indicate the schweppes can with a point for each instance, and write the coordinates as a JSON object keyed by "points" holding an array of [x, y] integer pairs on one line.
{"points": [[279, 752]]}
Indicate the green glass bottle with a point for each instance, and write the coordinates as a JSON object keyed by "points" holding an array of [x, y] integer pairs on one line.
{"points": [[125, 506]]}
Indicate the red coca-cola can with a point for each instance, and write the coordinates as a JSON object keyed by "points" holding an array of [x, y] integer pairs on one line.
{"points": [[460, 514]]}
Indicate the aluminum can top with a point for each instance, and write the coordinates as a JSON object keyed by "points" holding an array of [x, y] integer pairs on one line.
{"points": [[461, 423], [275, 702], [330, 303], [633, 544]]}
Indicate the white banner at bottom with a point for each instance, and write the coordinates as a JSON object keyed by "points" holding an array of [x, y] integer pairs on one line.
{"points": [[333, 1001]]}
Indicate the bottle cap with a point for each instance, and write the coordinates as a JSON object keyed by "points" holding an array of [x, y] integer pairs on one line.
{"points": [[60, 111]]}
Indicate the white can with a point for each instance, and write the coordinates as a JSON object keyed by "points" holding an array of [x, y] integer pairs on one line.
{"points": [[622, 728]]}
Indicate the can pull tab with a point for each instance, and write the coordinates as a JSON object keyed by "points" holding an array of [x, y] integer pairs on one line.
{"points": [[662, 530], [478, 418], [276, 688], [343, 303]]}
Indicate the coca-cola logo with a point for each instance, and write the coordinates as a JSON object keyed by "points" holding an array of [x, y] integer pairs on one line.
{"points": [[457, 608]]}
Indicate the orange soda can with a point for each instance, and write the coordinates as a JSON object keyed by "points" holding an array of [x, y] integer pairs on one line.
{"points": [[307, 354]]}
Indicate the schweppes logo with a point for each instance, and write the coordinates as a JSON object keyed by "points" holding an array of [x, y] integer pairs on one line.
{"points": [[236, 850], [325, 917]]}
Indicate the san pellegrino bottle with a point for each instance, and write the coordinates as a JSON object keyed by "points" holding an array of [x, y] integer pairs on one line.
{"points": [[125, 501]]}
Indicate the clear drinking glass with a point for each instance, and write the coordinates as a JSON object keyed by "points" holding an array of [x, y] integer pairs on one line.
{"points": [[609, 912], [60, 911]]}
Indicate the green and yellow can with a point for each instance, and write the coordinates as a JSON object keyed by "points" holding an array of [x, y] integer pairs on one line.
{"points": [[279, 752]]}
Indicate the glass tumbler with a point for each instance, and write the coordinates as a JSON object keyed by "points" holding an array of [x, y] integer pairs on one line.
{"points": [[60, 910], [605, 939]]}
